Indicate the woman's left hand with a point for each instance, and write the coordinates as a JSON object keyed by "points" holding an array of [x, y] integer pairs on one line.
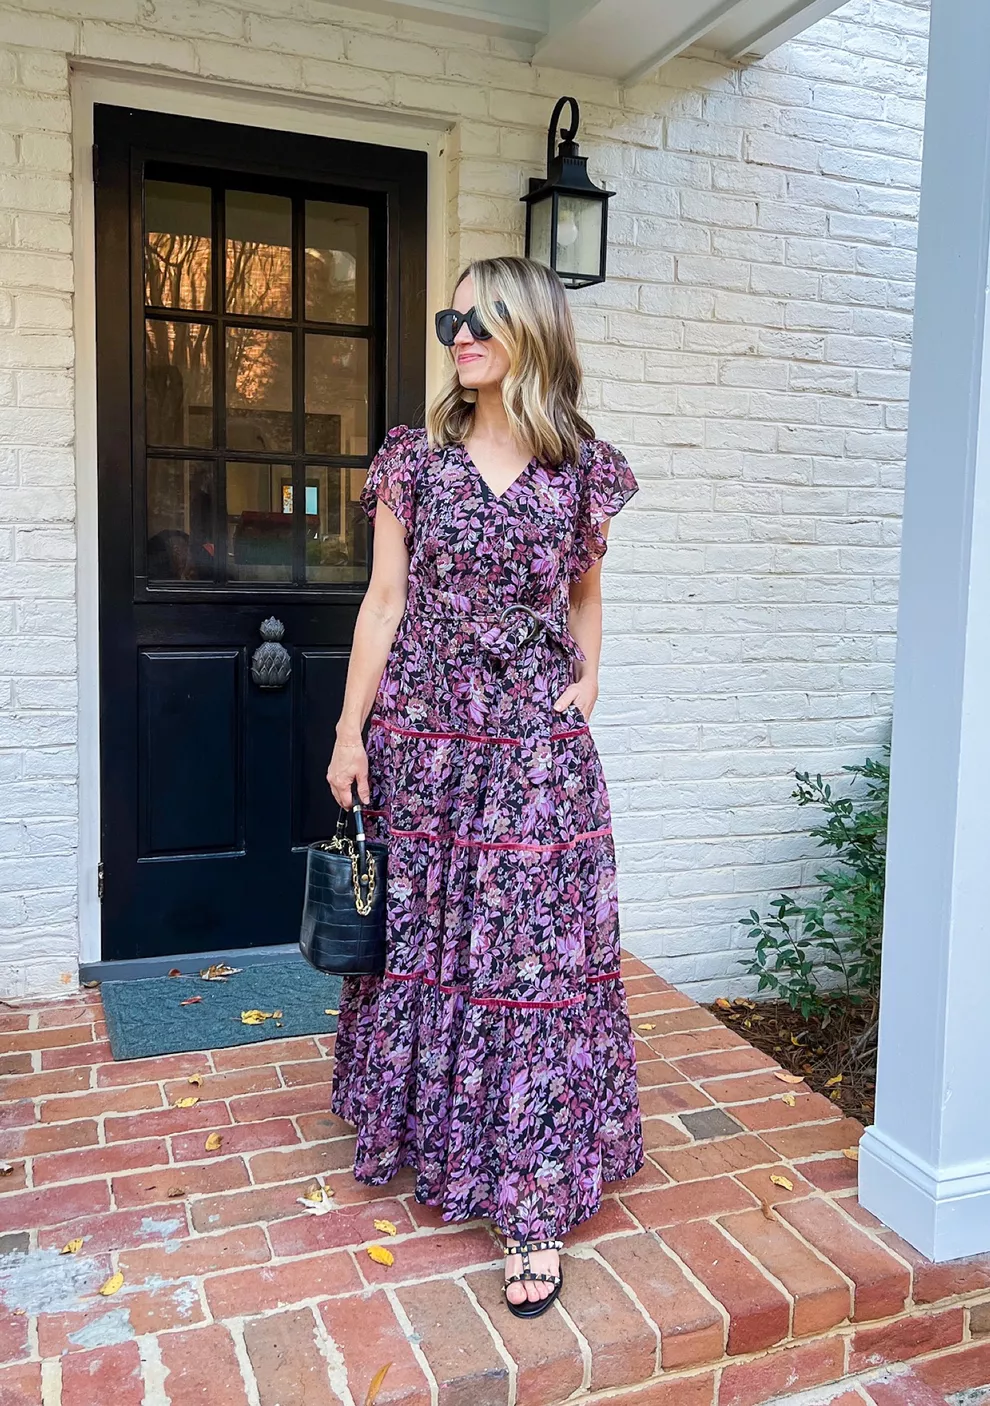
{"points": [[583, 693]]}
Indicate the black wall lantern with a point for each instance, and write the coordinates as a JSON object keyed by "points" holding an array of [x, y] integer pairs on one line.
{"points": [[567, 214]]}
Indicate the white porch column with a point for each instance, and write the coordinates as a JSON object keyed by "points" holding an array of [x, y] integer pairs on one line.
{"points": [[925, 1165]]}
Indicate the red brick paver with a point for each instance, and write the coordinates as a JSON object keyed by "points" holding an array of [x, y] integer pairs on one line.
{"points": [[701, 1282]]}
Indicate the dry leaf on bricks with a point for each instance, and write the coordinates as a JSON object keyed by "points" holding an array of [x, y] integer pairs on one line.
{"points": [[6, 1168], [214, 1142], [186, 1102], [646, 1027], [852, 1153], [195, 1079], [789, 1099], [72, 1247], [175, 1191], [380, 1255], [377, 1382], [782, 1181], [115, 1282], [386, 1227], [786, 1078]]}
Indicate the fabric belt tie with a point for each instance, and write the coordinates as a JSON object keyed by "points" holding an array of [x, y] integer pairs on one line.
{"points": [[501, 634]]}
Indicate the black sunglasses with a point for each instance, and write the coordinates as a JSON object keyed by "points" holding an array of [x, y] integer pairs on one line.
{"points": [[450, 322]]}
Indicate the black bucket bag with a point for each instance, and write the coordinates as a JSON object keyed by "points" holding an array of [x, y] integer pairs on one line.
{"points": [[343, 923]]}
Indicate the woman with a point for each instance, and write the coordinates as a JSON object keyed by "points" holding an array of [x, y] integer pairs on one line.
{"points": [[495, 1056]]}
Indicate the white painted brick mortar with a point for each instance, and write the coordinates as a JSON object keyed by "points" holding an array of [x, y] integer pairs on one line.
{"points": [[749, 352]]}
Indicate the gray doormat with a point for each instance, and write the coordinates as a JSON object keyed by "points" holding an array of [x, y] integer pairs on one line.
{"points": [[146, 1018]]}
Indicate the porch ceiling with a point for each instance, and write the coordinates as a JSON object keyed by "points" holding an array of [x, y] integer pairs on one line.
{"points": [[623, 39]]}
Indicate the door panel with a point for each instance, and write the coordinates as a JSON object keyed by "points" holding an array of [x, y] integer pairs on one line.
{"points": [[260, 323], [190, 782]]}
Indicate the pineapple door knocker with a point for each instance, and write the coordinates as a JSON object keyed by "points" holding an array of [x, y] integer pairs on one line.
{"points": [[271, 664]]}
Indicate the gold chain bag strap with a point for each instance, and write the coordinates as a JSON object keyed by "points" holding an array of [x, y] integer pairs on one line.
{"points": [[343, 922]]}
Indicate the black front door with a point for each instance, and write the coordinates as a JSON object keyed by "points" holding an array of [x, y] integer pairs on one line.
{"points": [[260, 323]]}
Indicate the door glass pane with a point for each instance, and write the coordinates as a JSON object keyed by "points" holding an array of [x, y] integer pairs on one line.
{"points": [[336, 529], [336, 395], [259, 389], [259, 254], [179, 383], [336, 262], [178, 268], [181, 520], [259, 522]]}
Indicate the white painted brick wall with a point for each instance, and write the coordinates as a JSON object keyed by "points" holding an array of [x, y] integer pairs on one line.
{"points": [[749, 351]]}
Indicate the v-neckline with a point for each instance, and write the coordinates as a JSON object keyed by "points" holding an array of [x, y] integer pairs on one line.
{"points": [[496, 497]]}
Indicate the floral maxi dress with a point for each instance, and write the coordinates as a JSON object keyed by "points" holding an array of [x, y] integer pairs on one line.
{"points": [[495, 1056]]}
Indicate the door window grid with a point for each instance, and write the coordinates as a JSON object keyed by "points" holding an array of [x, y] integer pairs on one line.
{"points": [[269, 402]]}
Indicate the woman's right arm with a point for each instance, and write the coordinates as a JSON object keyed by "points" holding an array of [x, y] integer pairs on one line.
{"points": [[377, 621]]}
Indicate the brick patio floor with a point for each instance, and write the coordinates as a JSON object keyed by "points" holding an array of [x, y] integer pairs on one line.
{"points": [[702, 1282]]}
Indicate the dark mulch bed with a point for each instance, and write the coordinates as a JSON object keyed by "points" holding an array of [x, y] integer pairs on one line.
{"points": [[846, 1045]]}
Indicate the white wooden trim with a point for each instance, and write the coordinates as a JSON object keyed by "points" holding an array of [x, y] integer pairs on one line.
{"points": [[93, 83], [925, 1167]]}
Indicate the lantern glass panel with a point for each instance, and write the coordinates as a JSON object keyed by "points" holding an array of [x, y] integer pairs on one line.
{"points": [[541, 212], [579, 236]]}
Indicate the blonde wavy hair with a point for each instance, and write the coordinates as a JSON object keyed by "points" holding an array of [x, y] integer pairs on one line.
{"points": [[542, 386]]}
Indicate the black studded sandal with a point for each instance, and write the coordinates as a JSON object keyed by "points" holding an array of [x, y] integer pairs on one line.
{"points": [[528, 1308]]}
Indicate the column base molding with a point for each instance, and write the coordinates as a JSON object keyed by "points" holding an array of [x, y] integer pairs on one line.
{"points": [[944, 1213]]}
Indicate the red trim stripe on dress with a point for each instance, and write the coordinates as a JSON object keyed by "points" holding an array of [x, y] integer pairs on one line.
{"points": [[495, 1001], [475, 736], [490, 844]]}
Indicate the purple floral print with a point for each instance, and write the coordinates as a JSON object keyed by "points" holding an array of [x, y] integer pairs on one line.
{"points": [[495, 1056]]}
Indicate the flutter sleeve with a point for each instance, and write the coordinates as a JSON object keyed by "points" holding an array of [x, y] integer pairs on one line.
{"points": [[607, 484], [392, 475]]}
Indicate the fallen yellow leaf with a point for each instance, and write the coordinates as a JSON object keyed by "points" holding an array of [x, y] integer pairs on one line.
{"points": [[380, 1255], [195, 1079], [72, 1248], [214, 1142], [789, 1099], [255, 1017], [786, 1078], [646, 1027], [338, 1013], [377, 1382], [785, 1182], [185, 1102], [219, 972], [723, 1004], [835, 1095], [852, 1153], [115, 1282], [386, 1227], [835, 1079], [314, 1194]]}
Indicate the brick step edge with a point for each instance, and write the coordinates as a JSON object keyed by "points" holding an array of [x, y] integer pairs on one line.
{"points": [[944, 1379]]}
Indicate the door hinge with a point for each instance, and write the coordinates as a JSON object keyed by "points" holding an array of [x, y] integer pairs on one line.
{"points": [[99, 881]]}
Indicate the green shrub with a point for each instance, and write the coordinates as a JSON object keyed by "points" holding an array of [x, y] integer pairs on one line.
{"points": [[814, 955]]}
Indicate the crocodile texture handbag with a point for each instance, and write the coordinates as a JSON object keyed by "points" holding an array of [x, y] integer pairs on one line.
{"points": [[343, 922]]}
